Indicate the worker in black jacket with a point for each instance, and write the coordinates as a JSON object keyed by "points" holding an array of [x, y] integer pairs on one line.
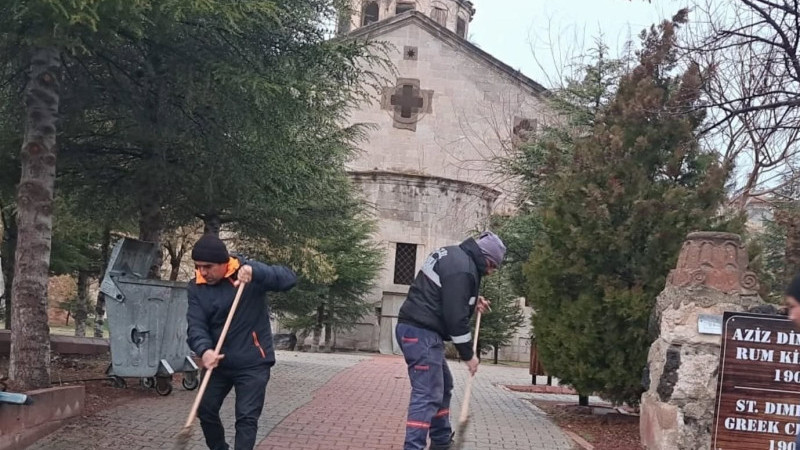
{"points": [[438, 308], [247, 354]]}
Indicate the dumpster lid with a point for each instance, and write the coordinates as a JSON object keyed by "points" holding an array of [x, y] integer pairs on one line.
{"points": [[129, 258]]}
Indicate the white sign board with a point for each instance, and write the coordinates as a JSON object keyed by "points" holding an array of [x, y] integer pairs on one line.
{"points": [[709, 324]]}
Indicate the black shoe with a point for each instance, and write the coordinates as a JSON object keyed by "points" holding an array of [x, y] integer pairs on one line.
{"points": [[443, 446]]}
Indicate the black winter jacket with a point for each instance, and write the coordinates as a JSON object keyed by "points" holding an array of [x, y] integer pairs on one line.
{"points": [[249, 339], [443, 295]]}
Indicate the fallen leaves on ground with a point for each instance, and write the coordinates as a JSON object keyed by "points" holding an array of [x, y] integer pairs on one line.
{"points": [[611, 431]]}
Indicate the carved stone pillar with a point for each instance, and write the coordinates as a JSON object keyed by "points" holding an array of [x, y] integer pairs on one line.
{"points": [[711, 277]]}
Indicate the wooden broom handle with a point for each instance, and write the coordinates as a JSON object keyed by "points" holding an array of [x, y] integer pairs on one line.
{"points": [[468, 392], [207, 376]]}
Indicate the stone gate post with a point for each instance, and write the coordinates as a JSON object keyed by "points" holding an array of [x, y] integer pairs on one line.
{"points": [[711, 277]]}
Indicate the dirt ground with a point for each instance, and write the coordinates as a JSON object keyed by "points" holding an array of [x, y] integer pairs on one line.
{"points": [[612, 431], [100, 393]]}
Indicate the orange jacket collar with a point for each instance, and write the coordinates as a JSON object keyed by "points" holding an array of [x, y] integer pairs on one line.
{"points": [[233, 266]]}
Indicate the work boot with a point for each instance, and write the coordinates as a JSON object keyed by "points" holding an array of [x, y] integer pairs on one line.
{"points": [[443, 446]]}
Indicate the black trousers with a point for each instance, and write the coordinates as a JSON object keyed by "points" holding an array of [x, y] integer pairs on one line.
{"points": [[251, 387]]}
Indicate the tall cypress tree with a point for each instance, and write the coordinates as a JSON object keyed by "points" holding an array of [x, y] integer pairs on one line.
{"points": [[615, 219]]}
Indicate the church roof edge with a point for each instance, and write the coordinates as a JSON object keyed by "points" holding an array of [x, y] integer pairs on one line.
{"points": [[443, 33]]}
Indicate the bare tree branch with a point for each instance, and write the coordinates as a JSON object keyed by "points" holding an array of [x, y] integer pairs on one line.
{"points": [[749, 52]]}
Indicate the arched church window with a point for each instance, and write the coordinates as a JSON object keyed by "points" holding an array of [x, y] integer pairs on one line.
{"points": [[461, 27], [404, 7], [439, 15], [370, 14]]}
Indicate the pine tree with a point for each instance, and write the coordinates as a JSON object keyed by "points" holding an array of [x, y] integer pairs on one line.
{"points": [[614, 222], [338, 270], [579, 102], [35, 36], [499, 325]]}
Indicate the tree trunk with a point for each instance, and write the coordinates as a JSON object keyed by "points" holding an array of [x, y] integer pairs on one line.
{"points": [[151, 224], [30, 334], [175, 258], [301, 341], [100, 306], [175, 270], [329, 327], [583, 400], [9, 246], [212, 223], [82, 305], [318, 328], [328, 337], [496, 352]]}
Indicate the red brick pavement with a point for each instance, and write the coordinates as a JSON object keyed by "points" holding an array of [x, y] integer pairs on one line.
{"points": [[362, 408]]}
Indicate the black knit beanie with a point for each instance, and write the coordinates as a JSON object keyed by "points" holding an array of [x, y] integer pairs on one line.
{"points": [[210, 248], [794, 288]]}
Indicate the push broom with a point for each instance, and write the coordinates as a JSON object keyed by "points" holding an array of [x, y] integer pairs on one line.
{"points": [[186, 433], [463, 420]]}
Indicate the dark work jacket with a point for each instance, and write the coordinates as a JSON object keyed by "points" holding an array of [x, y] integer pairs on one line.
{"points": [[443, 295], [249, 339]]}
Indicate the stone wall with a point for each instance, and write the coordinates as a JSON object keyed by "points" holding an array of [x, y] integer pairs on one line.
{"points": [[429, 212], [21, 426], [475, 104], [519, 349], [711, 277], [435, 182]]}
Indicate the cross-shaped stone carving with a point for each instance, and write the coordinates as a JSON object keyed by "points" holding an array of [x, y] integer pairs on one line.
{"points": [[408, 102]]}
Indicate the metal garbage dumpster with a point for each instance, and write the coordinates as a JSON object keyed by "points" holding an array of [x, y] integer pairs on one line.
{"points": [[146, 321]]}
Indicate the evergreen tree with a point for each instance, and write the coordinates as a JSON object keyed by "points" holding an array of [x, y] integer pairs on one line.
{"points": [[334, 294], [767, 251], [615, 219], [35, 37], [169, 110], [499, 325], [578, 103]]}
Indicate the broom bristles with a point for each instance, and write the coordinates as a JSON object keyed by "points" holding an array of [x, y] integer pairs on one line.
{"points": [[182, 440], [460, 435]]}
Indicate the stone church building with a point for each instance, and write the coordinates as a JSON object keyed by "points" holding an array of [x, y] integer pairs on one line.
{"points": [[430, 167]]}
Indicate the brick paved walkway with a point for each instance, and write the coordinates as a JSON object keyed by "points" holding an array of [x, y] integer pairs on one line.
{"points": [[361, 408], [364, 408], [335, 402], [152, 423]]}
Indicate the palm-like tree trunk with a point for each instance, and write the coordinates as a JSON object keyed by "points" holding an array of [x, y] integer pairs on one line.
{"points": [[30, 338]]}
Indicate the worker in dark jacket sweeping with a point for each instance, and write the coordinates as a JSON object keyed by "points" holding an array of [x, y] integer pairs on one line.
{"points": [[247, 353], [438, 308]]}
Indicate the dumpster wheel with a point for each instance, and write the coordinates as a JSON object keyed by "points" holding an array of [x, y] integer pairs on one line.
{"points": [[148, 382], [163, 385], [190, 381], [118, 382]]}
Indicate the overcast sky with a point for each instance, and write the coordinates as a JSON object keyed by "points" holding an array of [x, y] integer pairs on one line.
{"points": [[512, 30]]}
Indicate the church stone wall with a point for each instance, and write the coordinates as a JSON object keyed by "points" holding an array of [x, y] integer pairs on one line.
{"points": [[429, 212], [411, 209], [445, 117], [466, 127]]}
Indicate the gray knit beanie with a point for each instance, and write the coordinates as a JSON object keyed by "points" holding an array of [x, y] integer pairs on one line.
{"points": [[492, 247]]}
